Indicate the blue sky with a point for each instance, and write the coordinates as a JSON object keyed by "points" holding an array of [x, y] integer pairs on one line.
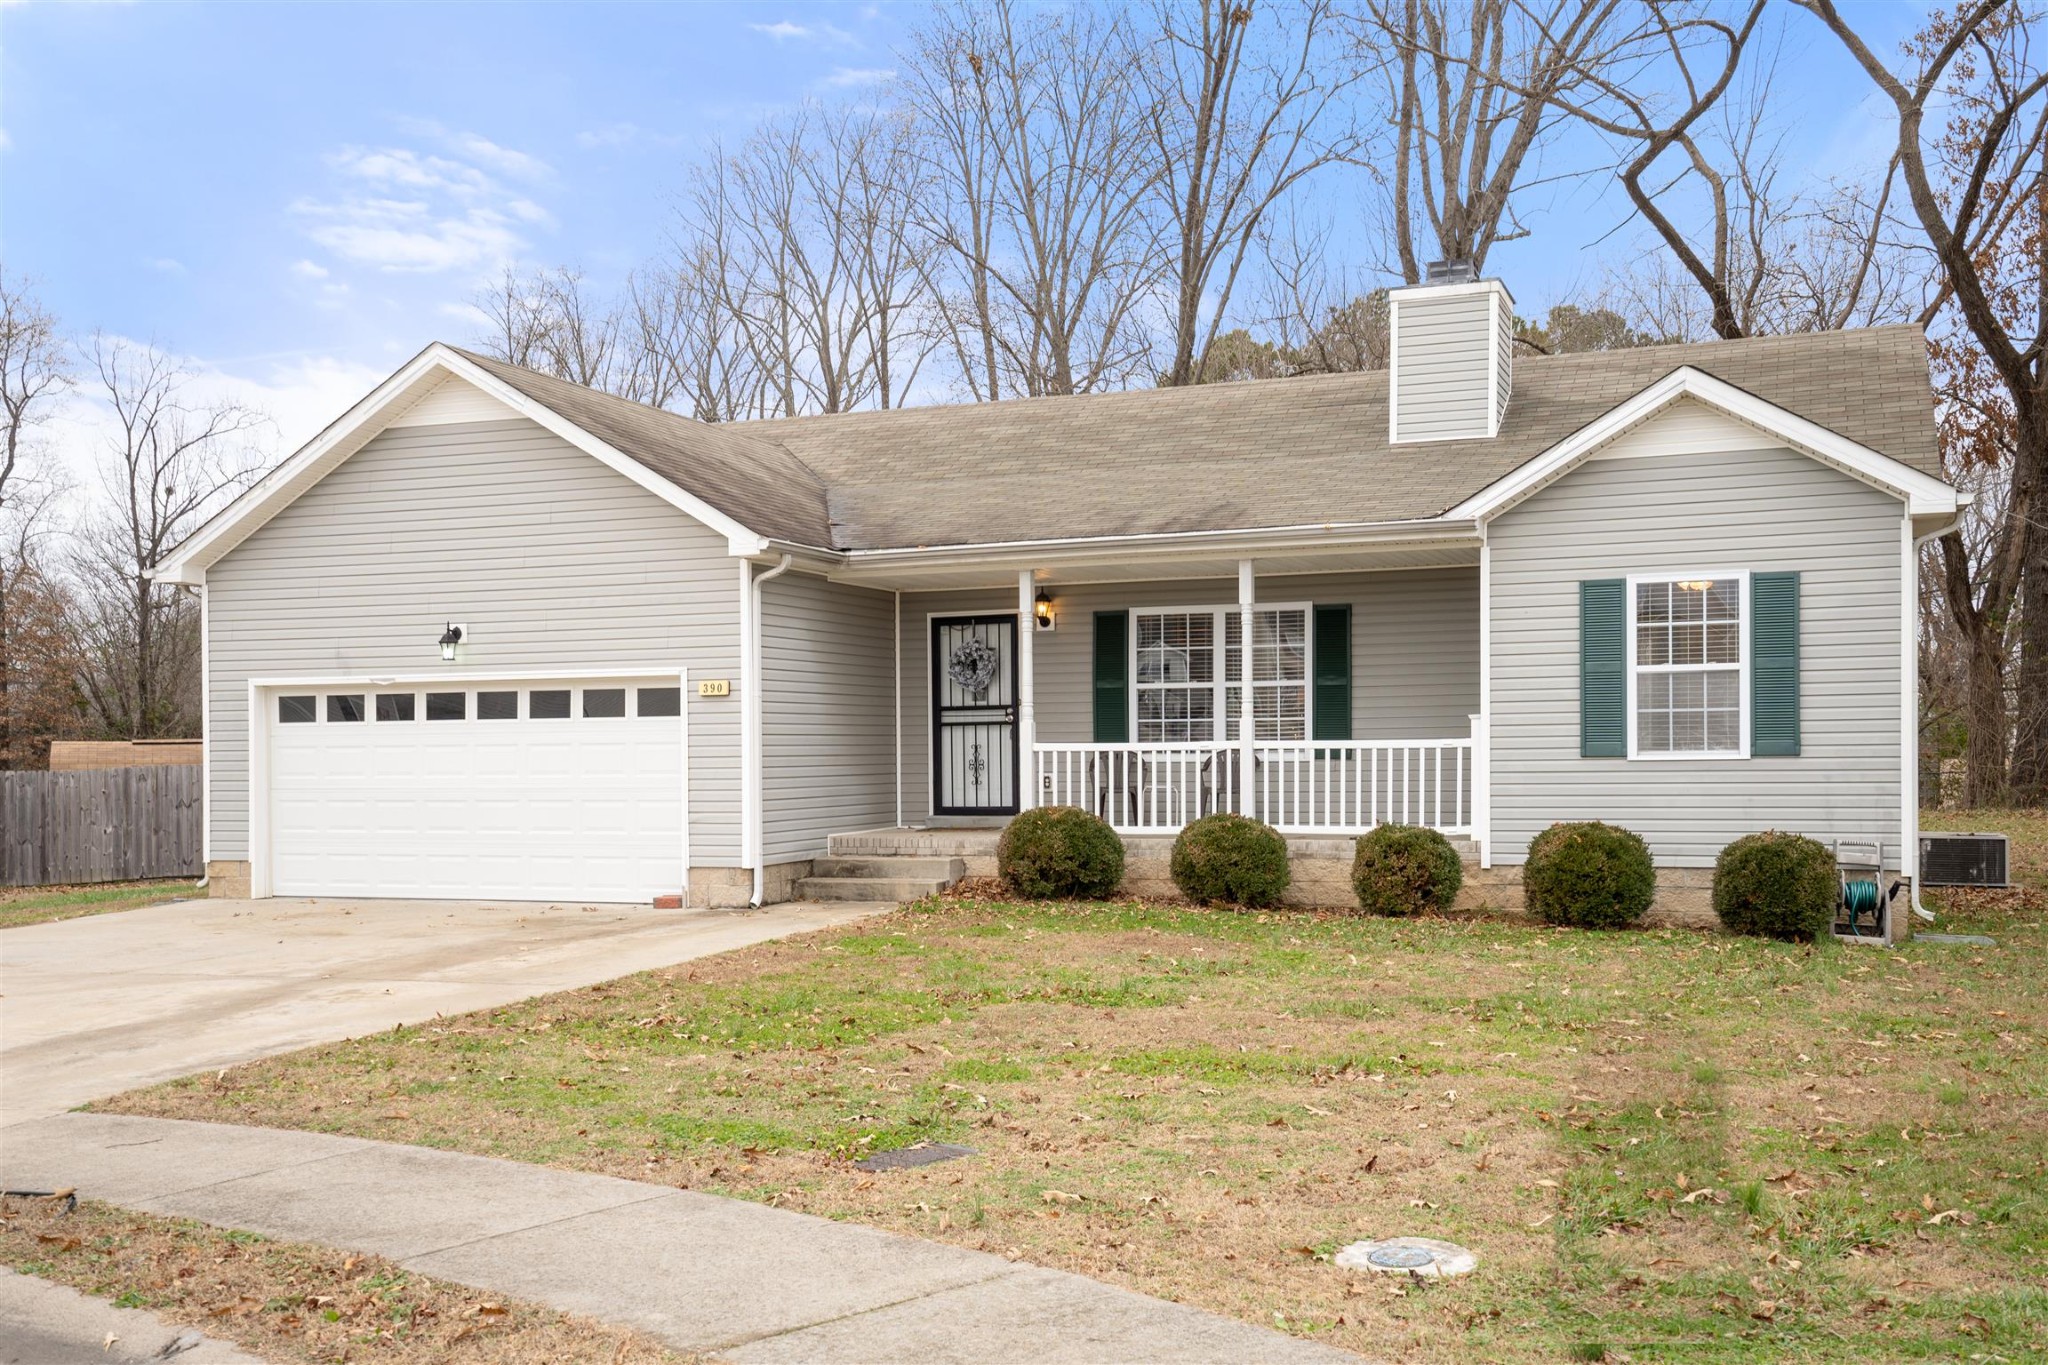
{"points": [[297, 197]]}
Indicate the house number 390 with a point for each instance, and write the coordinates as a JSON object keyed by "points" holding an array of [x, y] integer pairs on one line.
{"points": [[714, 687]]}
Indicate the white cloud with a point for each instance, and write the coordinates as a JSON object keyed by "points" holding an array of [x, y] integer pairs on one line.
{"points": [[299, 394], [784, 29], [401, 209], [165, 265], [6, 142], [308, 270], [624, 134], [847, 77]]}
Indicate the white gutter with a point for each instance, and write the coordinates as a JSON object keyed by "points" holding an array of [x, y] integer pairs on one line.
{"points": [[750, 722]]}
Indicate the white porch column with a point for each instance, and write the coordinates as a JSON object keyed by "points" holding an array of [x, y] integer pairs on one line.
{"points": [[1482, 795], [1247, 798], [1027, 691]]}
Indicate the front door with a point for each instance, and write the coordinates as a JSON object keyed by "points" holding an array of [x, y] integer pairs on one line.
{"points": [[974, 715]]}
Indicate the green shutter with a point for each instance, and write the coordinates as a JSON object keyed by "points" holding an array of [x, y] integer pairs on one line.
{"points": [[1603, 690], [1333, 673], [1112, 677], [1774, 665]]}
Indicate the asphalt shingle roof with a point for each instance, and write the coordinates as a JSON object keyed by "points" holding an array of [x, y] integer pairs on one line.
{"points": [[1281, 452]]}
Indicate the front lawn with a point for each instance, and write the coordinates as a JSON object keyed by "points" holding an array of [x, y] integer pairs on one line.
{"points": [[21, 905], [1662, 1145]]}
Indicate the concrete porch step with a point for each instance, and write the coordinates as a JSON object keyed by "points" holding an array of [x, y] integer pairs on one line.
{"points": [[948, 870], [915, 843], [897, 889]]}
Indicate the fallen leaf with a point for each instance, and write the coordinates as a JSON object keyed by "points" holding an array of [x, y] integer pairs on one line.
{"points": [[1059, 1197]]}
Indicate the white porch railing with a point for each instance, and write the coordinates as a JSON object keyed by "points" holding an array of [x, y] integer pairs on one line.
{"points": [[1307, 787]]}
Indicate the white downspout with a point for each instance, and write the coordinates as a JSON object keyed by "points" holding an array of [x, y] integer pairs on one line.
{"points": [[750, 724], [1247, 754], [1910, 702]]}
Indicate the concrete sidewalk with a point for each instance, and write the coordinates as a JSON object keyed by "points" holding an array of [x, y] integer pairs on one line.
{"points": [[48, 1324], [743, 1281]]}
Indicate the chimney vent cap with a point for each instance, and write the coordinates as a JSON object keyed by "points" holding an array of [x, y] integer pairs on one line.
{"points": [[1451, 272]]}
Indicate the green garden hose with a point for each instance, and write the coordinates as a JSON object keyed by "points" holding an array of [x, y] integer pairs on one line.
{"points": [[1861, 897]]}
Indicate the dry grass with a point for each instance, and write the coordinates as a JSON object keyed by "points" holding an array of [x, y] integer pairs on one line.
{"points": [[20, 905], [289, 1302], [1662, 1145]]}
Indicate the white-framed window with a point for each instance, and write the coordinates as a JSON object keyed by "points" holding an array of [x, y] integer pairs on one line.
{"points": [[1187, 668], [1688, 657]]}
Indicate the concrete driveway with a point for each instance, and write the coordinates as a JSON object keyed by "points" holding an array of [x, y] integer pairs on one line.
{"points": [[91, 1007]]}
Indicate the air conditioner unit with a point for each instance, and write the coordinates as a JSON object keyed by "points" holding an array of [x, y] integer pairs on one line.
{"points": [[1963, 860]]}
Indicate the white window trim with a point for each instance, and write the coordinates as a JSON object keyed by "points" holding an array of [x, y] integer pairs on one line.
{"points": [[1221, 685], [1741, 751]]}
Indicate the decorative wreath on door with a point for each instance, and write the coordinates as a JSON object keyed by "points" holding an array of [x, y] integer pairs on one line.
{"points": [[973, 665]]}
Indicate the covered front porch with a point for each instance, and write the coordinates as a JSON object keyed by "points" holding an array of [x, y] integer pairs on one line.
{"points": [[1120, 686]]}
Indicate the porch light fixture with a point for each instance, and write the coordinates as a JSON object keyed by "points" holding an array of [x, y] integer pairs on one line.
{"points": [[1041, 608], [450, 638]]}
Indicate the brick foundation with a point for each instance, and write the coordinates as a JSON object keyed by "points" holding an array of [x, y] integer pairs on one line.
{"points": [[732, 888], [227, 881]]}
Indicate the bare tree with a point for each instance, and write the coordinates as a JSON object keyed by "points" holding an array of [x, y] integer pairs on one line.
{"points": [[807, 226], [1476, 86], [170, 462], [1037, 148], [549, 321], [35, 373], [1243, 111], [1975, 185]]}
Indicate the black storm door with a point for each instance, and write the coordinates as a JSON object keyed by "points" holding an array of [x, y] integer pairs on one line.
{"points": [[974, 715]]}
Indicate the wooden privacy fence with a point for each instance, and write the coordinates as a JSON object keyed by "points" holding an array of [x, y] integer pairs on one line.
{"points": [[108, 825]]}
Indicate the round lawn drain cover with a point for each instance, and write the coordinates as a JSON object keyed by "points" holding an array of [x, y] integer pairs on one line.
{"points": [[1408, 1256]]}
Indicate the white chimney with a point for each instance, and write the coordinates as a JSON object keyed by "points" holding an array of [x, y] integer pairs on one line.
{"points": [[1452, 363]]}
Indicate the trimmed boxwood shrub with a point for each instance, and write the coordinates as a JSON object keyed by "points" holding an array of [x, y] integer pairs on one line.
{"points": [[1590, 875], [1777, 885], [1230, 860], [1406, 870], [1060, 853]]}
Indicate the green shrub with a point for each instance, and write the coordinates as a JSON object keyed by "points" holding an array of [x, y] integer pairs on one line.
{"points": [[1776, 885], [1230, 860], [1406, 870], [1060, 853], [1590, 875]]}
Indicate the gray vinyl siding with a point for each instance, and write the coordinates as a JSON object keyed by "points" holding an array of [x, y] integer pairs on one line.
{"points": [[1760, 511], [1443, 359], [553, 561], [828, 738], [1414, 653]]}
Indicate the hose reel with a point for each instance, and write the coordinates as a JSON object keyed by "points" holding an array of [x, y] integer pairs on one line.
{"points": [[1863, 907]]}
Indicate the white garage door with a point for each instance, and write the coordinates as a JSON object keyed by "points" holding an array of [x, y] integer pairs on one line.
{"points": [[526, 790]]}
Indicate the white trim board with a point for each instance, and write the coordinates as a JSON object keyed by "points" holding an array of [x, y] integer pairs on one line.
{"points": [[1924, 494], [387, 402]]}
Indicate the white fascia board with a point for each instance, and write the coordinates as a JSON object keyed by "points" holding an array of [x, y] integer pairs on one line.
{"points": [[349, 433], [1922, 493]]}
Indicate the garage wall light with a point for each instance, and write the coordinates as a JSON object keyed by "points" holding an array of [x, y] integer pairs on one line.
{"points": [[450, 638], [1042, 609]]}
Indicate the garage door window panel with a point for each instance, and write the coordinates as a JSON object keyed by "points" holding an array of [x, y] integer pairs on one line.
{"points": [[497, 706], [344, 708], [447, 705], [298, 710], [548, 705], [661, 701], [604, 703], [395, 706]]}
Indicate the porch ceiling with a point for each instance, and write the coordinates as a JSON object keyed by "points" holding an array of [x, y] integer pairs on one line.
{"points": [[1106, 565]]}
